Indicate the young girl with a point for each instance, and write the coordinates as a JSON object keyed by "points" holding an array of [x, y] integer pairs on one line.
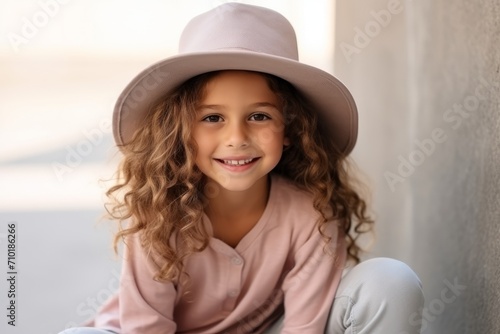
{"points": [[238, 210]]}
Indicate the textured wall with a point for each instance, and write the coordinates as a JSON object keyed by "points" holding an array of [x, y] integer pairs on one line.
{"points": [[426, 78]]}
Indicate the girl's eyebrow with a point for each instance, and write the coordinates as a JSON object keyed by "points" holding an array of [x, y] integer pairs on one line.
{"points": [[210, 106], [263, 104], [222, 107]]}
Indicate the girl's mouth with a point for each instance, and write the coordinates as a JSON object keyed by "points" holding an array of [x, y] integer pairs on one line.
{"points": [[237, 162], [237, 165]]}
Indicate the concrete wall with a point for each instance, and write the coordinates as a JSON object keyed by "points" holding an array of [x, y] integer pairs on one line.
{"points": [[426, 78]]}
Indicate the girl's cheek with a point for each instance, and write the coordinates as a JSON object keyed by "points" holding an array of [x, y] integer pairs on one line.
{"points": [[265, 136], [269, 135]]}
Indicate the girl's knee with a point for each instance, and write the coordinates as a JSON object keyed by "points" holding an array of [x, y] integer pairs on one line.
{"points": [[385, 277], [392, 273], [379, 295]]}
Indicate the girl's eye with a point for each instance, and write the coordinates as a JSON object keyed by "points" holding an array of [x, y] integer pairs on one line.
{"points": [[259, 117], [212, 118]]}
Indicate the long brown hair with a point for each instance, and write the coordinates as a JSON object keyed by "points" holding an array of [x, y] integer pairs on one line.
{"points": [[159, 193]]}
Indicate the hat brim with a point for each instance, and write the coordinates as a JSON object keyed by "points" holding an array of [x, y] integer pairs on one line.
{"points": [[326, 93]]}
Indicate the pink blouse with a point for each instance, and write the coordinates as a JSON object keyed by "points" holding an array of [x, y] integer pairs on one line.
{"points": [[279, 266]]}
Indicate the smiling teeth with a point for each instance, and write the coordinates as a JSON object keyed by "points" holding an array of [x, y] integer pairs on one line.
{"points": [[237, 162]]}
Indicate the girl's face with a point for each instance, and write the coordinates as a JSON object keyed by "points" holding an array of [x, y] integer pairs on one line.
{"points": [[239, 130]]}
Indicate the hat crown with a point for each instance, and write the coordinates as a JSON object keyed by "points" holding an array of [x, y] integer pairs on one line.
{"points": [[236, 26]]}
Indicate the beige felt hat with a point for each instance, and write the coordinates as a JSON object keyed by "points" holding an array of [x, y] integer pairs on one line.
{"points": [[239, 37]]}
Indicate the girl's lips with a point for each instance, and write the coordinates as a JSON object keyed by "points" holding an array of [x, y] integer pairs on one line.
{"points": [[235, 165], [236, 160]]}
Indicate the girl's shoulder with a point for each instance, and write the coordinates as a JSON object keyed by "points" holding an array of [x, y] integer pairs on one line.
{"points": [[294, 216]]}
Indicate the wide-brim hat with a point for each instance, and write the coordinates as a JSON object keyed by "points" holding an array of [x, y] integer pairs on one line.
{"points": [[236, 36]]}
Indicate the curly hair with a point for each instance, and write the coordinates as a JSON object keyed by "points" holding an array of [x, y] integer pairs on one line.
{"points": [[159, 191]]}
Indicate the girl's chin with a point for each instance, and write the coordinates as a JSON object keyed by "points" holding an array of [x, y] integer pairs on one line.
{"points": [[233, 184]]}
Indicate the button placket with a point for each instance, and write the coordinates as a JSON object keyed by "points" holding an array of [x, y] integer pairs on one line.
{"points": [[234, 281]]}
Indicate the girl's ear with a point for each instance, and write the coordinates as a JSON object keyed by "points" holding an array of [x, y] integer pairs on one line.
{"points": [[286, 142]]}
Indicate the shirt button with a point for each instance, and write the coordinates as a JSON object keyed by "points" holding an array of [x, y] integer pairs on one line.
{"points": [[236, 261], [233, 293]]}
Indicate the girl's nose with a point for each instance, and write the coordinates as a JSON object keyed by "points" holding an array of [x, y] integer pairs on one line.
{"points": [[236, 135]]}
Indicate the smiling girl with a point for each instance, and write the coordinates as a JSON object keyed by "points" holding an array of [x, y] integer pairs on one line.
{"points": [[235, 200]]}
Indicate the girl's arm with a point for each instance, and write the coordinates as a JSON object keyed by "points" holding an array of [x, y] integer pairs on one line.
{"points": [[146, 306], [310, 286]]}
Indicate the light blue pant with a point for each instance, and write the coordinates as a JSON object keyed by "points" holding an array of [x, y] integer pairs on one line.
{"points": [[378, 296]]}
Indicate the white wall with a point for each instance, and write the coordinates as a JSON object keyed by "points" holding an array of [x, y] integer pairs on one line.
{"points": [[427, 86]]}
